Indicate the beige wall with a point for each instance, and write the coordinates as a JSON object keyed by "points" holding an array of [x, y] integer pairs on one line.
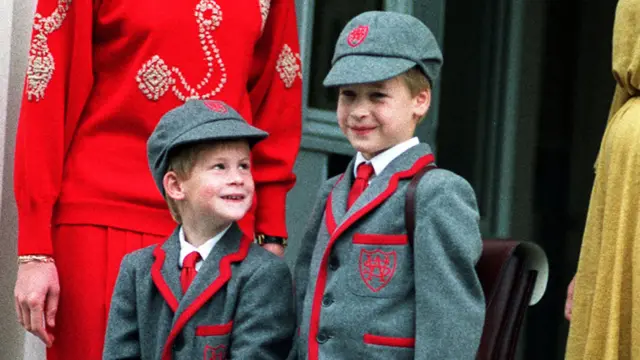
{"points": [[10, 335], [15, 30]]}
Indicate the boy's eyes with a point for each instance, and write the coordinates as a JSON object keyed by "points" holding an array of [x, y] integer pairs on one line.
{"points": [[347, 93], [352, 94], [220, 166]]}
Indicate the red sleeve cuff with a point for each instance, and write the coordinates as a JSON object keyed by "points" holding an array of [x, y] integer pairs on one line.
{"points": [[270, 214], [34, 231]]}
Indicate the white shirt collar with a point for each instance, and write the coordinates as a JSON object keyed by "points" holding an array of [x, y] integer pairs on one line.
{"points": [[205, 249], [380, 161]]}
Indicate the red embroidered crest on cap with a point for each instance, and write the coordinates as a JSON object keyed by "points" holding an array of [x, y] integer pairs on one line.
{"points": [[216, 106], [377, 268], [215, 353], [357, 35]]}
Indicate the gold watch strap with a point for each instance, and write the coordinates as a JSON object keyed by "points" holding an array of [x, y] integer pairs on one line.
{"points": [[262, 239]]}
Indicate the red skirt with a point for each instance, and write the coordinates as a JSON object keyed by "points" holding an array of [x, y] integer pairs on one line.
{"points": [[88, 260]]}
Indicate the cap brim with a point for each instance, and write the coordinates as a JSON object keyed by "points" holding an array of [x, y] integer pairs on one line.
{"points": [[221, 130], [359, 69]]}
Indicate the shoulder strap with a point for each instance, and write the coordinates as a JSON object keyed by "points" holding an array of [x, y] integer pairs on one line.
{"points": [[410, 201]]}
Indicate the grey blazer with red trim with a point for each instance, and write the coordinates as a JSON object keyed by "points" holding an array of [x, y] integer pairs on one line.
{"points": [[362, 292], [239, 306]]}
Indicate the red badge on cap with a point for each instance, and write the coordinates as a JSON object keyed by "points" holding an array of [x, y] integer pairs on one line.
{"points": [[216, 106], [357, 35]]}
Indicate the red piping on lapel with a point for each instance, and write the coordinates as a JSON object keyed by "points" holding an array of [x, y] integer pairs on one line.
{"points": [[225, 275], [330, 221], [322, 274], [158, 279]]}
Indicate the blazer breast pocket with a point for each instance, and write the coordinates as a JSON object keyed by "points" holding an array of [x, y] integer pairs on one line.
{"points": [[213, 341], [380, 265]]}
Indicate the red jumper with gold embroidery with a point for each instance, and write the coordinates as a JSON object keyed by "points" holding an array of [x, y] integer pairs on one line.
{"points": [[101, 74]]}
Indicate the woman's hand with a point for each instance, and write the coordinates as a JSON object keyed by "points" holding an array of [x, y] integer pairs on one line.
{"points": [[568, 306], [36, 298], [275, 249]]}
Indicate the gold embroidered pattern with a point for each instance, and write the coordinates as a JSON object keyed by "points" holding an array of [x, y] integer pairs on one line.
{"points": [[288, 66], [156, 77], [41, 62], [265, 5]]}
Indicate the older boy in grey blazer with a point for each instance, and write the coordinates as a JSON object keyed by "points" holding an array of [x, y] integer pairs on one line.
{"points": [[207, 292], [362, 290]]}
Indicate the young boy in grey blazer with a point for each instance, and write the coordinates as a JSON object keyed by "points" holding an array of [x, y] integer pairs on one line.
{"points": [[363, 291], [208, 292]]}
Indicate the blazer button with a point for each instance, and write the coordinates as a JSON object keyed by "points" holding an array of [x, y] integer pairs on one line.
{"points": [[327, 300], [179, 342], [322, 337], [334, 264]]}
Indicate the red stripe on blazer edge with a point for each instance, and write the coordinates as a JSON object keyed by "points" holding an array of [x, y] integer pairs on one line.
{"points": [[322, 274], [330, 220], [158, 279], [225, 275], [380, 239], [389, 341], [214, 330]]}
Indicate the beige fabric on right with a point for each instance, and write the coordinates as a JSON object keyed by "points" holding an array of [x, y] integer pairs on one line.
{"points": [[607, 291]]}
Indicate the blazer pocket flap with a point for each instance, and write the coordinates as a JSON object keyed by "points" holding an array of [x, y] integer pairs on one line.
{"points": [[389, 341], [214, 330], [380, 239]]}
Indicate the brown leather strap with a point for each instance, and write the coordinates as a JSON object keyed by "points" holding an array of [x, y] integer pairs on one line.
{"points": [[410, 201]]}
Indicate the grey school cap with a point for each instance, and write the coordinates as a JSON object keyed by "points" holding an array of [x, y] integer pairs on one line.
{"points": [[195, 121], [379, 45]]}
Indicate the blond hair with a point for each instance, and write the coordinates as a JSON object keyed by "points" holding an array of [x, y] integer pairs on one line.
{"points": [[417, 82]]}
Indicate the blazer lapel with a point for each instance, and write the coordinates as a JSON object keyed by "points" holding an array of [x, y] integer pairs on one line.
{"points": [[384, 184], [377, 185], [165, 271], [340, 194], [406, 160], [214, 273], [210, 270]]}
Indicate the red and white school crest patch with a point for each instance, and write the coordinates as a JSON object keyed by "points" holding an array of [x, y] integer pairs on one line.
{"points": [[357, 35], [215, 353], [377, 268], [216, 106]]}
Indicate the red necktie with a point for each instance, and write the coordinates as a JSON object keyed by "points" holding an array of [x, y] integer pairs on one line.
{"points": [[363, 174], [189, 270]]}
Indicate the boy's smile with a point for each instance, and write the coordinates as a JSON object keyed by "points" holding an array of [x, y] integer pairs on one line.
{"points": [[362, 130], [377, 116]]}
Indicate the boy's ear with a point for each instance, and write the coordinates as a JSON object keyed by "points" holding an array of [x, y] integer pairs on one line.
{"points": [[421, 103], [173, 186]]}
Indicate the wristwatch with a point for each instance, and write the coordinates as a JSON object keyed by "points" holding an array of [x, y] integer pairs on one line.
{"points": [[262, 239]]}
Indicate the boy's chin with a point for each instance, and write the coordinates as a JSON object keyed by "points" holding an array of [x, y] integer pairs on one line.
{"points": [[231, 216], [361, 147], [369, 152]]}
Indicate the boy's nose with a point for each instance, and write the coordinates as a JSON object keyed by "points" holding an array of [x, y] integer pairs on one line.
{"points": [[236, 178], [360, 112]]}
